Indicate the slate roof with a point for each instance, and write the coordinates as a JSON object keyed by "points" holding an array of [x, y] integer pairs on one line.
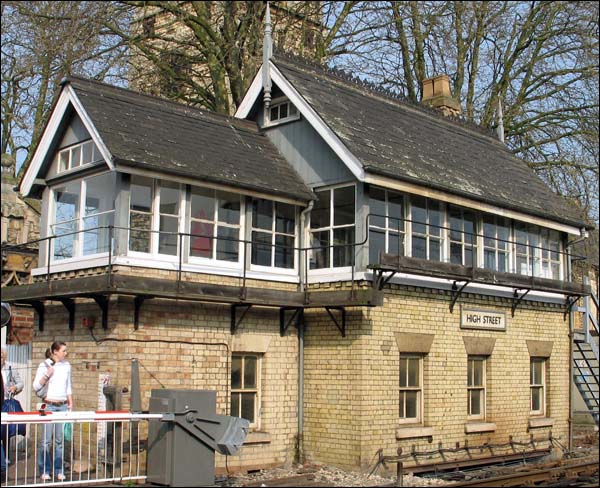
{"points": [[155, 134], [396, 139]]}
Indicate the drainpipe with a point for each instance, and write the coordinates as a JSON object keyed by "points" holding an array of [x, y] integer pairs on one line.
{"points": [[300, 326]]}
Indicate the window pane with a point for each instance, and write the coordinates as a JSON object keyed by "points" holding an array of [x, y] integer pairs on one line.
{"points": [[274, 113], [320, 251], [201, 242], [236, 372], [229, 208], [167, 240], [377, 207], [100, 193], [475, 397], [456, 253], [64, 247], [536, 399], [376, 245], [395, 211], [293, 110], [139, 237], [435, 250], [227, 243], [202, 204], [477, 373], [75, 156], [343, 203], [342, 255], [235, 404], [435, 218], [418, 215], [262, 214], [250, 372], [88, 152], [283, 111], [320, 214], [403, 372], [97, 239], [413, 372], [456, 224], [285, 218], [284, 251], [169, 198], [67, 202], [396, 244], [419, 247], [63, 160], [411, 404], [141, 194], [248, 406], [261, 248]]}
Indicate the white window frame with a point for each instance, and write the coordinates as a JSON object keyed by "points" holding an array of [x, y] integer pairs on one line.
{"points": [[418, 389], [277, 104], [79, 236], [216, 223], [155, 223], [331, 229], [540, 385], [474, 245], [482, 389], [248, 248], [389, 229], [69, 150], [443, 237], [256, 391], [482, 247]]}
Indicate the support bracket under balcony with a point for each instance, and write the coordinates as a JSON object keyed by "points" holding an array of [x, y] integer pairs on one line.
{"points": [[297, 315], [102, 302], [137, 305], [39, 308], [456, 292], [569, 302], [69, 304], [518, 299], [340, 325], [235, 322], [380, 281]]}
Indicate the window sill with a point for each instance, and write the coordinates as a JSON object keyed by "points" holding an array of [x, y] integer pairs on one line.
{"points": [[479, 427], [538, 422], [413, 432], [257, 438]]}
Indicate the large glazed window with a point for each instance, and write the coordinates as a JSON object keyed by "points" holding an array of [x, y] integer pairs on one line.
{"points": [[332, 225], [427, 219], [537, 385], [273, 233], [463, 239], [83, 210], [215, 224], [476, 387], [496, 245], [386, 223], [245, 387], [140, 214], [411, 388], [537, 251]]}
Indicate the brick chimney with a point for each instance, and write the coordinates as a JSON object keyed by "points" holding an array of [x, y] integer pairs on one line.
{"points": [[436, 93]]}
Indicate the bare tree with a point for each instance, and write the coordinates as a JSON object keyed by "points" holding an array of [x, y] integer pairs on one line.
{"points": [[42, 42]]}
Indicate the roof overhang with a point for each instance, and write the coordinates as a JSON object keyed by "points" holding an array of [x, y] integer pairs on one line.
{"points": [[67, 98]]}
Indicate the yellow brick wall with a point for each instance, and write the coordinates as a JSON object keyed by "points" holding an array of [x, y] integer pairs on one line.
{"points": [[201, 360], [351, 384]]}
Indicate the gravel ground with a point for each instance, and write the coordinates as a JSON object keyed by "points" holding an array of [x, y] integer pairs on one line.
{"points": [[330, 476]]}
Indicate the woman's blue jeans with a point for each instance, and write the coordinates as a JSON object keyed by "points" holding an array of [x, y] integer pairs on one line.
{"points": [[46, 453]]}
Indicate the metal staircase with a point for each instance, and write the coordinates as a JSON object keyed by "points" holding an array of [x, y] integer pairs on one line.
{"points": [[585, 356]]}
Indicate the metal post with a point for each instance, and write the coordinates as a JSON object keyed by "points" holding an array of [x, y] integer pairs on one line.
{"points": [[110, 247], [180, 252], [48, 258], [399, 473], [136, 395]]}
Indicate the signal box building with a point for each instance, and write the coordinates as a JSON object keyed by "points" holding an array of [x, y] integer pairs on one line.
{"points": [[350, 272]]}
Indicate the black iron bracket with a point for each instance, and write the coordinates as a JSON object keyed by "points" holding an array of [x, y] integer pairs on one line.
{"points": [[456, 291], [235, 322], [518, 299], [137, 304], [69, 304], [39, 308], [341, 326], [380, 281], [569, 302], [297, 315], [102, 302]]}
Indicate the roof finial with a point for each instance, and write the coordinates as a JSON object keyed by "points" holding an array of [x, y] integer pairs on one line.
{"points": [[267, 53], [500, 128]]}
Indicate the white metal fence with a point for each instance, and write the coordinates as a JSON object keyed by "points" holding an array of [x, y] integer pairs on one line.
{"points": [[97, 447]]}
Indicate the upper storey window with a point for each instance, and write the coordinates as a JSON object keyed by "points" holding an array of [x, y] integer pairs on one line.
{"points": [[427, 236], [273, 233], [281, 111], [386, 223], [78, 155], [332, 224], [82, 212]]}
